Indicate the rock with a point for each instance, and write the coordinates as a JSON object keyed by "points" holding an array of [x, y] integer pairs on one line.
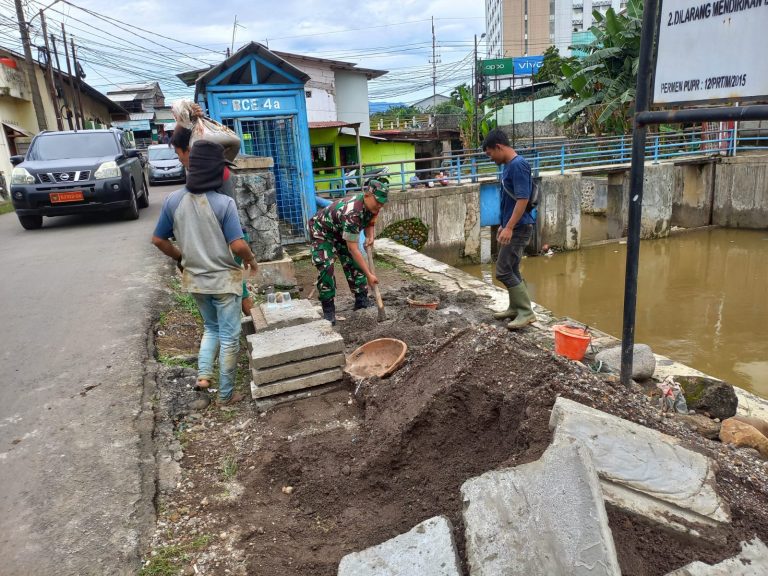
{"points": [[546, 518], [426, 550], [761, 425], [200, 404], [642, 470], [643, 360], [741, 434], [288, 490], [714, 397], [701, 424], [752, 561]]}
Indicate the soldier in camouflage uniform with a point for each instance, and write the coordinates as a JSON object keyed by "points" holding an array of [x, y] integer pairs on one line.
{"points": [[334, 232]]}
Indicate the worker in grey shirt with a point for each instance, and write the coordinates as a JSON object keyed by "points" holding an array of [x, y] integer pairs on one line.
{"points": [[208, 235]]}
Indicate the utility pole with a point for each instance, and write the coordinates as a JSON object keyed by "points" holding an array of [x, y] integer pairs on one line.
{"points": [[234, 29], [61, 82], [29, 64], [69, 73], [78, 93], [49, 75], [434, 69]]}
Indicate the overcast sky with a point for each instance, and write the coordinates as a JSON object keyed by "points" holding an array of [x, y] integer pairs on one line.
{"points": [[392, 35]]}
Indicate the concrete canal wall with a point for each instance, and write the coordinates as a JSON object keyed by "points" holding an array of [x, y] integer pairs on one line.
{"points": [[452, 214], [730, 192]]}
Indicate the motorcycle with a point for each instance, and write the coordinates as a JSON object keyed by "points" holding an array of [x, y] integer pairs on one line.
{"points": [[352, 181]]}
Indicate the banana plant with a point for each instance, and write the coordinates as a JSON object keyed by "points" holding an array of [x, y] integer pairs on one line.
{"points": [[601, 87]]}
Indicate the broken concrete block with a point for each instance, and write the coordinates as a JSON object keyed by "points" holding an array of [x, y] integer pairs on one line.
{"points": [[643, 471], [298, 383], [743, 435], [546, 518], [426, 550], [275, 347], [292, 314], [294, 369], [752, 561]]}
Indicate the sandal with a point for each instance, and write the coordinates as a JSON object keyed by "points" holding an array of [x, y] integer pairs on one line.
{"points": [[234, 399]]}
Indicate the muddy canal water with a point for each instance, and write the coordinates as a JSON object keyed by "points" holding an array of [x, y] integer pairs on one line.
{"points": [[702, 298]]}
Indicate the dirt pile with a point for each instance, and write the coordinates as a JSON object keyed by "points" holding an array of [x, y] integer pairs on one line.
{"points": [[477, 400], [414, 326]]}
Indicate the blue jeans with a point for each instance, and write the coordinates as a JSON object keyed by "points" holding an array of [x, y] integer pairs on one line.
{"points": [[221, 333]]}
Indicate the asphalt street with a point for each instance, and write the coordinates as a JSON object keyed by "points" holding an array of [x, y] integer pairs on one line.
{"points": [[76, 459]]}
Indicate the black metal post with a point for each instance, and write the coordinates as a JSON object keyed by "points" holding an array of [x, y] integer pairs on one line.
{"points": [[637, 172], [533, 112]]}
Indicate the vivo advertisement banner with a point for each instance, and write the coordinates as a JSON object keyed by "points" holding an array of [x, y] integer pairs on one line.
{"points": [[522, 66]]}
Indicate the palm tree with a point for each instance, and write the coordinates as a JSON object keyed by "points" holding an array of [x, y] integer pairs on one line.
{"points": [[601, 86]]}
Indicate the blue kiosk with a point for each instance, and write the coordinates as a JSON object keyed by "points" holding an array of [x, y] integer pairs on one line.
{"points": [[261, 97]]}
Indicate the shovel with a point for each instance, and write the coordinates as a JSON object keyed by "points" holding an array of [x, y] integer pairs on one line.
{"points": [[376, 293]]}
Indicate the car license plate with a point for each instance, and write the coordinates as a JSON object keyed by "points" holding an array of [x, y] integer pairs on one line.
{"points": [[59, 197]]}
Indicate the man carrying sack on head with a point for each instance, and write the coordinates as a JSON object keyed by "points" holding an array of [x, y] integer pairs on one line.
{"points": [[334, 232], [208, 235]]}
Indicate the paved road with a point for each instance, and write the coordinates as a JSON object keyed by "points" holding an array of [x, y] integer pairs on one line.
{"points": [[76, 466]]}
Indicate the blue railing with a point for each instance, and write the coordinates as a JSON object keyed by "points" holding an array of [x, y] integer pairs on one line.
{"points": [[556, 155]]}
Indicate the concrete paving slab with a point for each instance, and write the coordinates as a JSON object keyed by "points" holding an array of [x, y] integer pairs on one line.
{"points": [[752, 561], [259, 322], [642, 470], [294, 369], [292, 314], [298, 383], [426, 550], [546, 518], [275, 347]]}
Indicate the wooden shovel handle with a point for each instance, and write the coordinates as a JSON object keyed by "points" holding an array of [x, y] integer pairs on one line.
{"points": [[376, 293]]}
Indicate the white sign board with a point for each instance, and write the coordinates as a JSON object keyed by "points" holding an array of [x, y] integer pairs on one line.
{"points": [[711, 50]]}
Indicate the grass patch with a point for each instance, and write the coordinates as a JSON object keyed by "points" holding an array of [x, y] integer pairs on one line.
{"points": [[382, 264], [172, 361], [184, 300], [169, 559], [6, 207], [228, 467]]}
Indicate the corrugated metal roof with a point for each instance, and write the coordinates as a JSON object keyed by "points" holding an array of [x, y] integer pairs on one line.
{"points": [[122, 97], [143, 116], [332, 124]]}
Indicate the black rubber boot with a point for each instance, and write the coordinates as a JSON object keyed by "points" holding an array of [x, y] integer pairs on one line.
{"points": [[361, 301], [329, 310]]}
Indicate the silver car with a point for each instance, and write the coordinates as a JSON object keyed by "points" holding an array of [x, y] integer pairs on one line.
{"points": [[164, 164]]}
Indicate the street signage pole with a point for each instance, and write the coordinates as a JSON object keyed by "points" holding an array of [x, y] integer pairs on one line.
{"points": [[705, 53]]}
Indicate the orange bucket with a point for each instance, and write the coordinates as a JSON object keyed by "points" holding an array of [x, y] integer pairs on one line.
{"points": [[571, 342]]}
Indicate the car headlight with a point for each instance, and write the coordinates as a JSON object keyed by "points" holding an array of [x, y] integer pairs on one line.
{"points": [[107, 170], [21, 176]]}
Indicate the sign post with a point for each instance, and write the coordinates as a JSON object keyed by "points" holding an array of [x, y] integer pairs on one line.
{"points": [[707, 52]]}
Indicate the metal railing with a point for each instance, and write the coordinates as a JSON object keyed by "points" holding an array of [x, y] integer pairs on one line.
{"points": [[553, 155]]}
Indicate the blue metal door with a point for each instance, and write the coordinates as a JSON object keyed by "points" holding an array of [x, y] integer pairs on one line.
{"points": [[276, 137]]}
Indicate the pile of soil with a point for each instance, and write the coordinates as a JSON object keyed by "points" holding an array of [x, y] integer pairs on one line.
{"points": [[477, 400], [414, 326], [333, 474]]}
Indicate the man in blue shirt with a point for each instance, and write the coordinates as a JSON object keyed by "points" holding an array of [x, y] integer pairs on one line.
{"points": [[516, 228], [208, 235]]}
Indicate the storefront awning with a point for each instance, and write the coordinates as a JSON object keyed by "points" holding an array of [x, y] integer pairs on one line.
{"points": [[18, 131]]}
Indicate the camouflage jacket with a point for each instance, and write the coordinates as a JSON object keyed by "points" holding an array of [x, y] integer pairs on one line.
{"points": [[342, 221]]}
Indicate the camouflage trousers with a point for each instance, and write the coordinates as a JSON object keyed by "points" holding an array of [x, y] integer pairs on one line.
{"points": [[324, 254]]}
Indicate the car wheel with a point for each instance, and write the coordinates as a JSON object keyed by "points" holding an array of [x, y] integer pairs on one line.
{"points": [[144, 200], [132, 212], [31, 222]]}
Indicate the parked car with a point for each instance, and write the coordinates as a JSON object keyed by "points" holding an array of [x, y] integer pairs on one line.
{"points": [[164, 164], [75, 172]]}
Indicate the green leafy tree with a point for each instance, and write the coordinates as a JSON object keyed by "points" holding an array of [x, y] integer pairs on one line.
{"points": [[551, 67], [475, 123], [600, 88]]}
